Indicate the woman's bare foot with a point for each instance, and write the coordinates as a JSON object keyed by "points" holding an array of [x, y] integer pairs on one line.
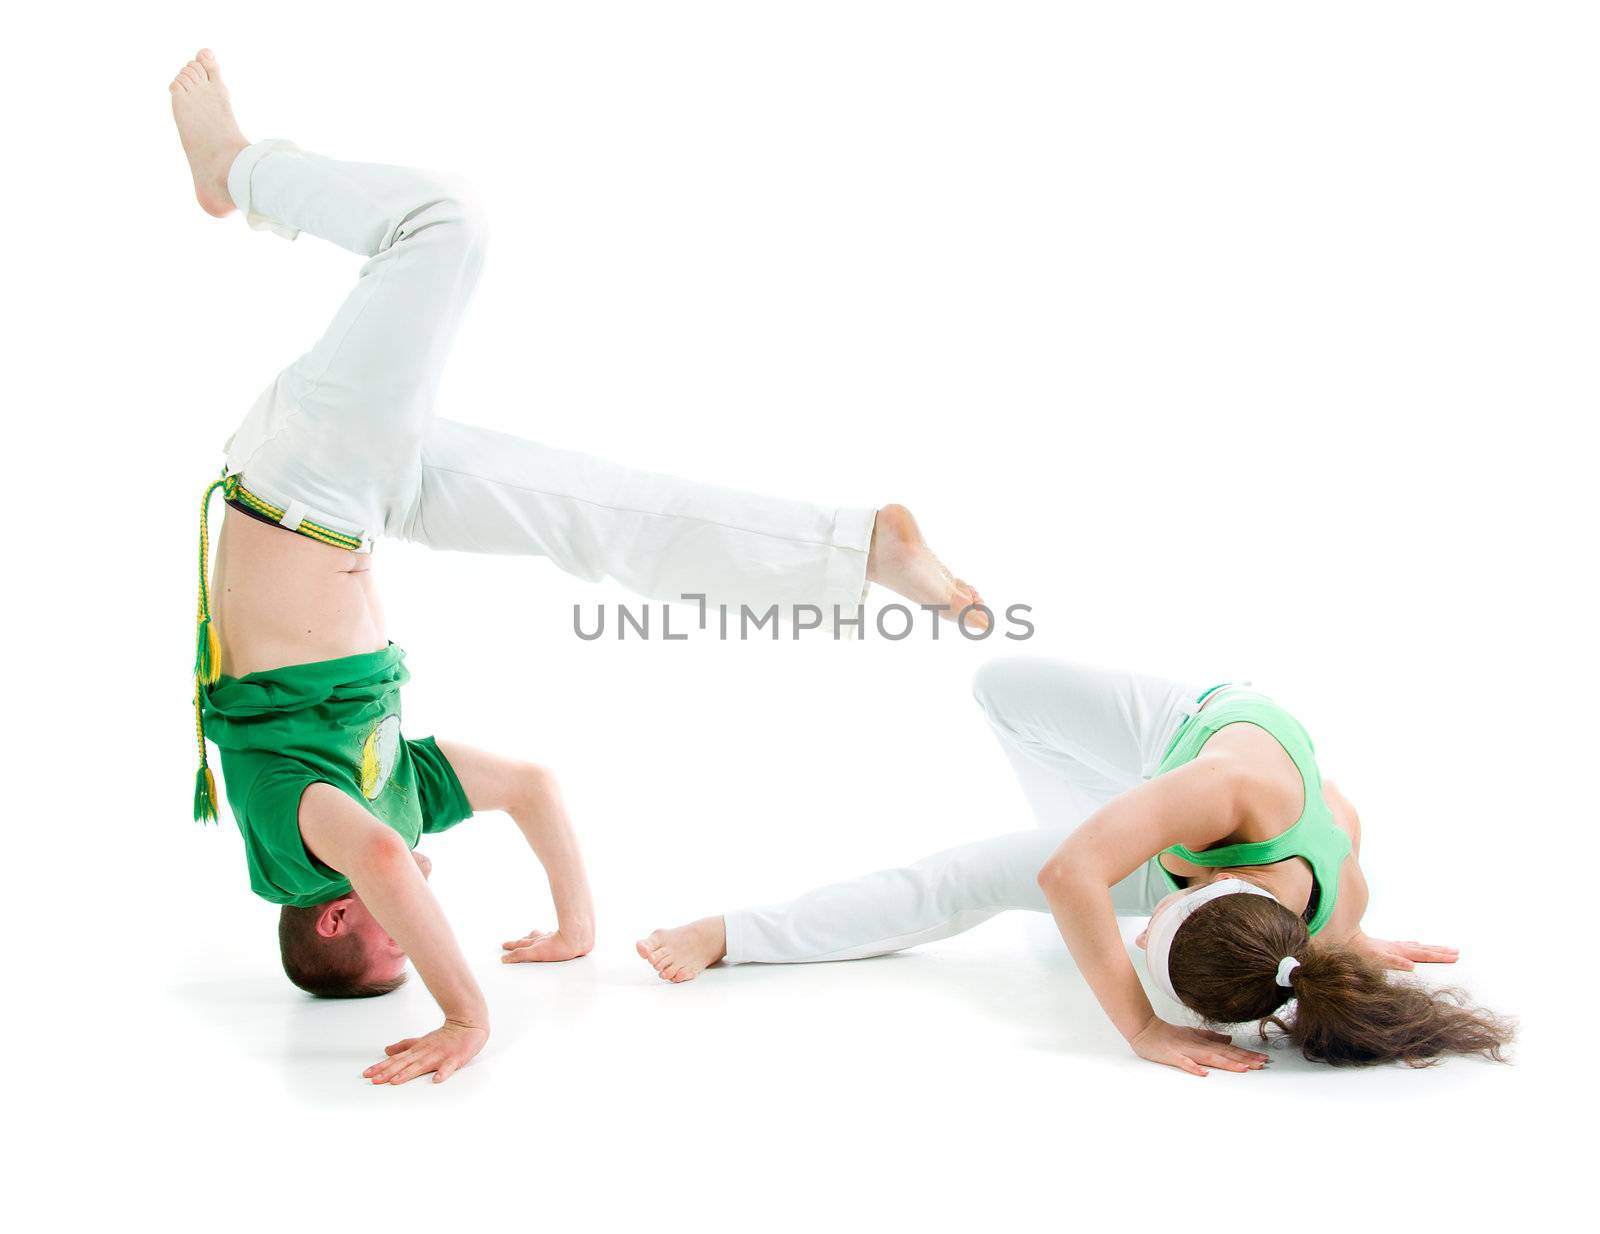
{"points": [[684, 953], [901, 560], [210, 135]]}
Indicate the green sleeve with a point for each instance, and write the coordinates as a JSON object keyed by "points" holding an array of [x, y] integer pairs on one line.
{"points": [[443, 800], [281, 870]]}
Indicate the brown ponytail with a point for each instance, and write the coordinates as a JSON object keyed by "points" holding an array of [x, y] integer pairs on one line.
{"points": [[1224, 965]]}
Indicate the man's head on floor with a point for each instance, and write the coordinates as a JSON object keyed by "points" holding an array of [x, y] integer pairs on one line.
{"points": [[337, 949]]}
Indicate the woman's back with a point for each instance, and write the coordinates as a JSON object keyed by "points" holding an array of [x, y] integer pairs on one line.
{"points": [[1284, 814]]}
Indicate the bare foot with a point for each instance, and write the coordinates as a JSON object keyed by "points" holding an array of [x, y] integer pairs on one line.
{"points": [[901, 560], [210, 135], [684, 953]]}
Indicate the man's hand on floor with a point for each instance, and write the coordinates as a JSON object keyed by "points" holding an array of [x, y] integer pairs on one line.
{"points": [[546, 946], [443, 1052]]}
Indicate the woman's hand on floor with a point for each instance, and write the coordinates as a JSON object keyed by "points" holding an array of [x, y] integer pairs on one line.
{"points": [[1193, 1049], [546, 947], [1403, 956], [443, 1052]]}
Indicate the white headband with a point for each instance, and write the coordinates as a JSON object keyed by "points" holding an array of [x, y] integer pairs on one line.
{"points": [[1164, 927]]}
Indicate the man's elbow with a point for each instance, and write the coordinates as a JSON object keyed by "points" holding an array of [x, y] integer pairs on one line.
{"points": [[535, 786], [382, 853]]}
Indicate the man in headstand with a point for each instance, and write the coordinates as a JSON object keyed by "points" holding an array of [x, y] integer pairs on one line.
{"points": [[296, 681]]}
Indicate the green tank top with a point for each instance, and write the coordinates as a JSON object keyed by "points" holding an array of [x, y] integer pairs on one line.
{"points": [[1314, 836]]}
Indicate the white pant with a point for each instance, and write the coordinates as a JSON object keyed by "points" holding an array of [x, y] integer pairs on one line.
{"points": [[346, 435], [1077, 738]]}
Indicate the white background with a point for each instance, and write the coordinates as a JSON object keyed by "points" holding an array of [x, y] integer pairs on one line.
{"points": [[1240, 340]]}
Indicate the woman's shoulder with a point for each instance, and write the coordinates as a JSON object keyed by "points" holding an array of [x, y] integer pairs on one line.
{"points": [[1265, 779]]}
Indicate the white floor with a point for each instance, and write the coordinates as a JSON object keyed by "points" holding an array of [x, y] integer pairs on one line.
{"points": [[971, 1084]]}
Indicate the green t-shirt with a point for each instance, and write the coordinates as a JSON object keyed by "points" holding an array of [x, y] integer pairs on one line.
{"points": [[333, 721]]}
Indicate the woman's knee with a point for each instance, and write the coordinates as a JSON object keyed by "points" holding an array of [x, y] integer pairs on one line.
{"points": [[1000, 685]]}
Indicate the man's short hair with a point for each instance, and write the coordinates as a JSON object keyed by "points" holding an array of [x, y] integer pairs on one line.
{"points": [[326, 967]]}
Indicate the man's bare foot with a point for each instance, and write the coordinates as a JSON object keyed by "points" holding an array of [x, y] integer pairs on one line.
{"points": [[901, 560], [210, 135], [684, 953]]}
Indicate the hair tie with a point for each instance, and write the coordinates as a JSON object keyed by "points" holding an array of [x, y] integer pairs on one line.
{"points": [[1286, 966]]}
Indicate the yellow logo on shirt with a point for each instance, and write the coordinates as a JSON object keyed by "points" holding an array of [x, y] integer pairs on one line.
{"points": [[378, 754]]}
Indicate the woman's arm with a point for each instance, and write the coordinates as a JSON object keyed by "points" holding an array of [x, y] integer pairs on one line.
{"points": [[1345, 924], [1196, 805], [531, 796]]}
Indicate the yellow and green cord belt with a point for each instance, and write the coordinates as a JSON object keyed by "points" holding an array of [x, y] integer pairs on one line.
{"points": [[208, 651]]}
